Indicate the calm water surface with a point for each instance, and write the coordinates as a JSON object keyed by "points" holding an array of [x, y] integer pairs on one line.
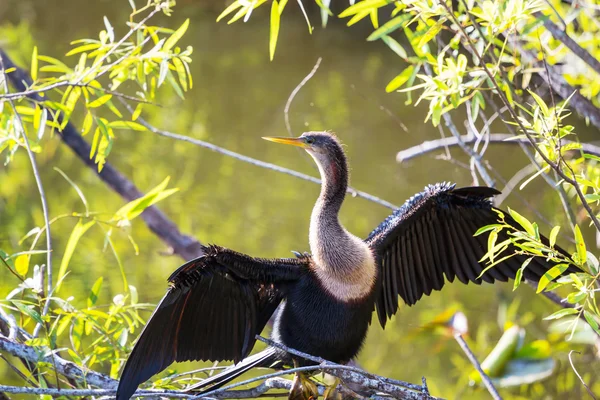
{"points": [[239, 96]]}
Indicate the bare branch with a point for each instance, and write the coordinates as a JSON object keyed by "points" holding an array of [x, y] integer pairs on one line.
{"points": [[273, 383], [350, 374], [486, 379], [288, 104], [429, 146], [40, 186], [63, 367], [253, 161]]}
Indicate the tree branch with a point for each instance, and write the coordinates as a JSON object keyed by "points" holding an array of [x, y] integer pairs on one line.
{"points": [[63, 367], [429, 146], [250, 160], [350, 374]]}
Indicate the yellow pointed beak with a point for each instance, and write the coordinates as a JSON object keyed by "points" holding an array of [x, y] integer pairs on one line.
{"points": [[286, 140]]}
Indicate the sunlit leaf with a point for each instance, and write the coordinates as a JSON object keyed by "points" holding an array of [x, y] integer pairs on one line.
{"points": [[274, 33], [400, 80], [524, 222], [78, 231], [231, 8], [388, 27], [127, 125], [553, 235], [99, 101], [580, 244], [34, 64], [93, 297], [22, 264], [550, 275], [395, 46], [174, 38], [134, 208], [561, 313]]}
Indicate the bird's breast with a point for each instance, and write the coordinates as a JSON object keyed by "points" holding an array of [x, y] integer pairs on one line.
{"points": [[351, 280]]}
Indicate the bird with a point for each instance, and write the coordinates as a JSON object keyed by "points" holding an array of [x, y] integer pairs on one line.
{"points": [[217, 303]]}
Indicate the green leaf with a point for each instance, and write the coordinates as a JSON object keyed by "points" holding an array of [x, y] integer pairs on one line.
{"points": [[134, 208], [503, 351], [174, 38], [78, 231], [519, 273], [431, 32], [524, 222], [275, 16], [127, 125], [99, 101], [22, 264], [231, 8], [580, 244], [553, 235], [550, 275], [29, 311], [540, 103], [562, 313], [388, 27], [93, 297], [395, 46], [400, 80], [592, 321], [34, 64], [486, 228]]}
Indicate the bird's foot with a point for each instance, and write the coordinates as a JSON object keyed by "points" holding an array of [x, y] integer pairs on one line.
{"points": [[303, 388], [331, 392]]}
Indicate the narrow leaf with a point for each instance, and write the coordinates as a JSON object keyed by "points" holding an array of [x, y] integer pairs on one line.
{"points": [[34, 64], [274, 28], [524, 222], [78, 231], [550, 275], [581, 251], [562, 313], [171, 41]]}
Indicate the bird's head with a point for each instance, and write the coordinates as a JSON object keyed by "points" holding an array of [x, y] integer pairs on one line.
{"points": [[327, 151], [318, 144]]}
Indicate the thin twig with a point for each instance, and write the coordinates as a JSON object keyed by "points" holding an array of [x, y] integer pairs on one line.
{"points": [[486, 379], [40, 186], [290, 99], [253, 161], [579, 376]]}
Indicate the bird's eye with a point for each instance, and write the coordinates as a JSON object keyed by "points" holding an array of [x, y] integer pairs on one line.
{"points": [[310, 140]]}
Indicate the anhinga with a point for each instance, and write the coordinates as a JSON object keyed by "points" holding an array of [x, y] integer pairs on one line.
{"points": [[216, 304]]}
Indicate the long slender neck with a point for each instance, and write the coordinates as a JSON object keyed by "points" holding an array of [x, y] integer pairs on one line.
{"points": [[333, 247]]}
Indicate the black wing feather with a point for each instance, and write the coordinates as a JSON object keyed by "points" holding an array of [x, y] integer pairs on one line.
{"points": [[214, 308], [431, 236]]}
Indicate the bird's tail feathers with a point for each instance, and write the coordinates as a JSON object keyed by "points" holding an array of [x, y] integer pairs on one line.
{"points": [[266, 358]]}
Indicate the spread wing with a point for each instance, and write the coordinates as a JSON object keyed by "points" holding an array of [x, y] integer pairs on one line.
{"points": [[214, 308], [431, 236]]}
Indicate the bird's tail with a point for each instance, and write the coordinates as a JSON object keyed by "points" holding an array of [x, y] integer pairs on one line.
{"points": [[266, 358]]}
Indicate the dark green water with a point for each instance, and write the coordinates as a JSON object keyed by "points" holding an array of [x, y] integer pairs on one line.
{"points": [[239, 96]]}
